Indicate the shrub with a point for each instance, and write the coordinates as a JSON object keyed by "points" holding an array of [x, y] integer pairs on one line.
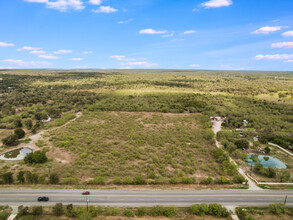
{"points": [[188, 180], [4, 215], [54, 178], [37, 210], [267, 149], [157, 211], [170, 211], [11, 140], [138, 180], [277, 208], [284, 176], [98, 180], [128, 213], [141, 211], [199, 209], [218, 210], [239, 179], [242, 144], [241, 213], [222, 180], [58, 209], [111, 211], [206, 181], [28, 124], [19, 133], [69, 181], [69, 211], [22, 210]]}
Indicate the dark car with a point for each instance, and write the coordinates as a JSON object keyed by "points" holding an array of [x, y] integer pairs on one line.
{"points": [[43, 198], [86, 193]]}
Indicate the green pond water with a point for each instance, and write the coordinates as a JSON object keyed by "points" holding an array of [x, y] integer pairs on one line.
{"points": [[266, 161], [17, 154]]}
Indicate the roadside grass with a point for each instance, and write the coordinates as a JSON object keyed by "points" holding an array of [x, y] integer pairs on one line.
{"points": [[264, 213], [211, 212]]}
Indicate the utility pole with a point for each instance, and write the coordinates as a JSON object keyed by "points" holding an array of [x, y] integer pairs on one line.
{"points": [[285, 200], [87, 204]]}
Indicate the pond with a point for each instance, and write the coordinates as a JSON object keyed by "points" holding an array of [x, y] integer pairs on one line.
{"points": [[17, 154], [266, 161]]}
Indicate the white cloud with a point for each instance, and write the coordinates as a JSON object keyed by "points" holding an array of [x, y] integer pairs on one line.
{"points": [[27, 63], [95, 2], [288, 61], [274, 57], [217, 3], [48, 56], [125, 22], [139, 63], [123, 58], [28, 48], [151, 31], [64, 5], [105, 9], [189, 32], [37, 52], [267, 30], [76, 59], [86, 52], [288, 34], [2, 44], [168, 35], [283, 45], [61, 5], [194, 65], [62, 51]]}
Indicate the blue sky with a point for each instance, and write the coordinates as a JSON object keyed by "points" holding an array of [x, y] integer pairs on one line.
{"points": [[138, 34]]}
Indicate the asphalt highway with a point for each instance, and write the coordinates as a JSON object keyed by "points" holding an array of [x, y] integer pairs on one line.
{"points": [[28, 197]]}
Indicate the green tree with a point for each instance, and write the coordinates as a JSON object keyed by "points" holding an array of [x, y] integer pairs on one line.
{"points": [[28, 123], [7, 178], [20, 177], [17, 123], [267, 149], [37, 210], [242, 144], [58, 209], [284, 175], [11, 140], [54, 178], [19, 133]]}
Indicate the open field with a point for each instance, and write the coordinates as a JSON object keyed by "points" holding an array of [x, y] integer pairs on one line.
{"points": [[141, 126]]}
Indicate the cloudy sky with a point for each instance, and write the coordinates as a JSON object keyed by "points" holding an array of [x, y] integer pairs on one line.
{"points": [[173, 34]]}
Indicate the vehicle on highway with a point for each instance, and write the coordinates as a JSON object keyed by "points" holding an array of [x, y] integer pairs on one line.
{"points": [[43, 198], [86, 193]]}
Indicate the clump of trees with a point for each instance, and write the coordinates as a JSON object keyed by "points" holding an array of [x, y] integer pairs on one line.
{"points": [[212, 209], [36, 157], [11, 140], [282, 175]]}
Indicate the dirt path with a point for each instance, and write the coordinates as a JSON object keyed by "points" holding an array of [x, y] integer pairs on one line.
{"points": [[35, 137], [216, 127]]}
